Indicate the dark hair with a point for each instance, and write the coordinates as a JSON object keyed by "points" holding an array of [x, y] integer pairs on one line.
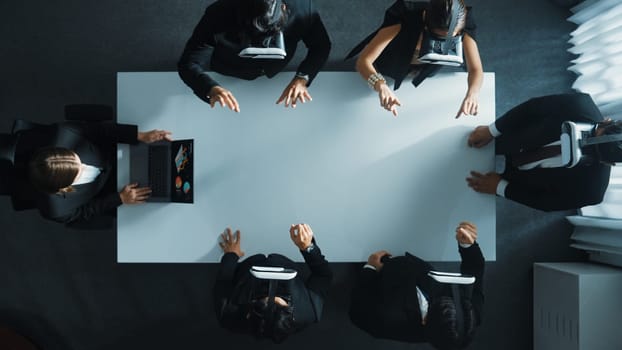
{"points": [[441, 325], [52, 169], [611, 152], [261, 17], [438, 14], [276, 324]]}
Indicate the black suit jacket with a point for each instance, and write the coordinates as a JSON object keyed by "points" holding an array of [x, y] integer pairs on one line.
{"points": [[535, 123], [234, 285], [218, 29], [95, 144], [385, 305], [394, 61]]}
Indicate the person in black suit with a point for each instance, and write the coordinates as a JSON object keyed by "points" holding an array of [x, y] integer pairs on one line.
{"points": [[394, 298], [394, 49], [67, 170], [545, 184], [228, 24], [241, 302]]}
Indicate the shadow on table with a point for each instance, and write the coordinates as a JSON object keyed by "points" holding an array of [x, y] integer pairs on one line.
{"points": [[430, 187]]}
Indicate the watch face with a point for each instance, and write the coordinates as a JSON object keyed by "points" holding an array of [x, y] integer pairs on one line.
{"points": [[302, 76]]}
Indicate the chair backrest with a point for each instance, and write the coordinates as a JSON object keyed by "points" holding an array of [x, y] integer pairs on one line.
{"points": [[20, 125], [21, 198], [8, 144]]}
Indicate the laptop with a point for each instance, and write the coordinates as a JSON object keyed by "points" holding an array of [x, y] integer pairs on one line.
{"points": [[167, 168]]}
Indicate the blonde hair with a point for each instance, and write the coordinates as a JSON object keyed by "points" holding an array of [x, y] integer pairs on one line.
{"points": [[53, 169]]}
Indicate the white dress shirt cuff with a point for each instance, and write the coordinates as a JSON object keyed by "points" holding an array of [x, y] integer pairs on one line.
{"points": [[368, 266], [465, 245], [493, 130], [501, 187]]}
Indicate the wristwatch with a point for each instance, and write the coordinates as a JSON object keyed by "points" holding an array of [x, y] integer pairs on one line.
{"points": [[302, 76], [310, 248]]}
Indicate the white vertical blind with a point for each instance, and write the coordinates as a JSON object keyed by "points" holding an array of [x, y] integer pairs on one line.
{"points": [[597, 42], [598, 228], [611, 207]]}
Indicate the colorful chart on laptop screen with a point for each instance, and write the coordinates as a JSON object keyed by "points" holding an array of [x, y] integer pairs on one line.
{"points": [[183, 171]]}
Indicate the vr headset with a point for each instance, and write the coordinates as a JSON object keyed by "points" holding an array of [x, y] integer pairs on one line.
{"points": [[460, 286], [273, 275], [444, 51], [262, 44], [577, 137], [272, 47]]}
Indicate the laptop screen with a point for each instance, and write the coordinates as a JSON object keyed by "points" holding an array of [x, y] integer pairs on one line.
{"points": [[182, 152]]}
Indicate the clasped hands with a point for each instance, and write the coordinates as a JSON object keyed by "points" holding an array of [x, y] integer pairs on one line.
{"points": [[296, 91], [301, 235], [466, 233]]}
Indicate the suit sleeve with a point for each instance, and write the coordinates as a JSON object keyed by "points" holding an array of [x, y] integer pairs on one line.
{"points": [[365, 312], [321, 275], [226, 312], [197, 52], [422, 267], [553, 109], [470, 27], [93, 208], [537, 198], [105, 132], [551, 199], [473, 263], [317, 42]]}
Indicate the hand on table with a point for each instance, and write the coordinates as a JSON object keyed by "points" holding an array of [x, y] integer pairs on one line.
{"points": [[387, 97], [132, 194], [468, 107], [295, 91], [224, 97], [375, 259], [154, 135], [480, 137], [484, 183], [301, 235], [230, 243], [466, 233]]}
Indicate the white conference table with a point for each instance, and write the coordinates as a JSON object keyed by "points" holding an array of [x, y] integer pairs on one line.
{"points": [[363, 180]]}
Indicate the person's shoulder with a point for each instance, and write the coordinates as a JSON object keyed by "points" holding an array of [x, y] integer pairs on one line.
{"points": [[401, 11], [300, 6], [470, 25], [221, 8], [222, 4], [419, 5]]}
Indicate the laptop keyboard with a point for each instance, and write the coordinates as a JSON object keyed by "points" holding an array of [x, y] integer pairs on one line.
{"points": [[157, 169]]}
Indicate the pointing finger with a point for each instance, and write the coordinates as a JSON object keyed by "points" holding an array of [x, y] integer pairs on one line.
{"points": [[282, 97]]}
